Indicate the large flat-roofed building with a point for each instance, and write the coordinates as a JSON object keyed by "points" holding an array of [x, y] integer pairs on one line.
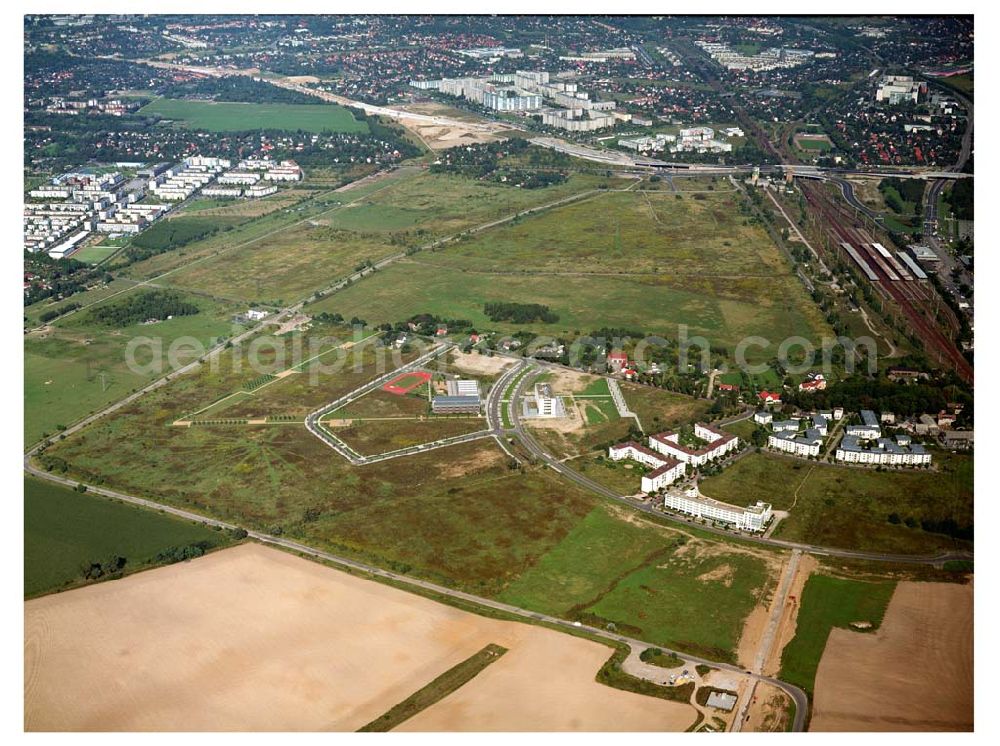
{"points": [[666, 470], [717, 444], [751, 518], [456, 405], [462, 387]]}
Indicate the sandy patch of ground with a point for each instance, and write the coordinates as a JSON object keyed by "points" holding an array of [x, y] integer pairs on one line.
{"points": [[571, 423], [252, 638], [476, 364], [867, 191], [787, 624], [503, 698], [913, 674], [754, 628], [300, 79], [441, 137], [768, 711], [293, 324], [722, 572], [565, 381]]}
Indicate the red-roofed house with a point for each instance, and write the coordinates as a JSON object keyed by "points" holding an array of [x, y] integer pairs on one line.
{"points": [[769, 398], [617, 361]]}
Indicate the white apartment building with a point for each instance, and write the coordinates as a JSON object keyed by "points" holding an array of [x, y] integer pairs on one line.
{"points": [[882, 451], [751, 518], [717, 445], [666, 470], [869, 429], [785, 426], [239, 177], [763, 418], [260, 190], [798, 444], [546, 403], [222, 191]]}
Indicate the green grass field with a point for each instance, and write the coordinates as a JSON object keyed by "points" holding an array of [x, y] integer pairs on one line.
{"points": [[368, 224], [659, 409], [609, 260], [79, 366], [849, 507], [649, 581], [65, 531], [237, 117], [95, 254], [826, 603], [371, 437]]}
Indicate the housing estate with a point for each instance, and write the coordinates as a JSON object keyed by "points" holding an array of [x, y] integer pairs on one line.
{"points": [[717, 444], [666, 470]]}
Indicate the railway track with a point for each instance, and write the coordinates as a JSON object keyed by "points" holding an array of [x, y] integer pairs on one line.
{"points": [[907, 295]]}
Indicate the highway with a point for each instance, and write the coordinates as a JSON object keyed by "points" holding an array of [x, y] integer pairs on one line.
{"points": [[417, 585]]}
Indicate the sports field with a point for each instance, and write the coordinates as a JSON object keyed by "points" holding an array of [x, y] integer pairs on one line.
{"points": [[238, 117], [66, 532], [850, 507]]}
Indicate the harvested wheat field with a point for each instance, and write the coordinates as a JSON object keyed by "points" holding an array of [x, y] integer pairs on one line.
{"points": [[913, 674], [252, 638]]}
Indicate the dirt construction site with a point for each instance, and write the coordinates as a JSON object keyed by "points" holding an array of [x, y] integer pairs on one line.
{"points": [[915, 673], [253, 638]]}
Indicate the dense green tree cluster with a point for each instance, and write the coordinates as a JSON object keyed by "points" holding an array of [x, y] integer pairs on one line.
{"points": [[519, 313], [148, 304], [237, 88]]}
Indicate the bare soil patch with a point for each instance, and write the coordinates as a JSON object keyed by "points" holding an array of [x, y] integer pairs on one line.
{"points": [[441, 137], [913, 674], [252, 638], [768, 711], [476, 364]]}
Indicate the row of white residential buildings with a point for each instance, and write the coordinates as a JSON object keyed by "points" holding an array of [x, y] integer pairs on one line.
{"points": [[751, 518], [767, 59], [179, 182], [75, 205], [668, 460], [528, 90]]}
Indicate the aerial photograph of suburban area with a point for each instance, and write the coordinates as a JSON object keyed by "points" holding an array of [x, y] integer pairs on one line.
{"points": [[478, 373]]}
